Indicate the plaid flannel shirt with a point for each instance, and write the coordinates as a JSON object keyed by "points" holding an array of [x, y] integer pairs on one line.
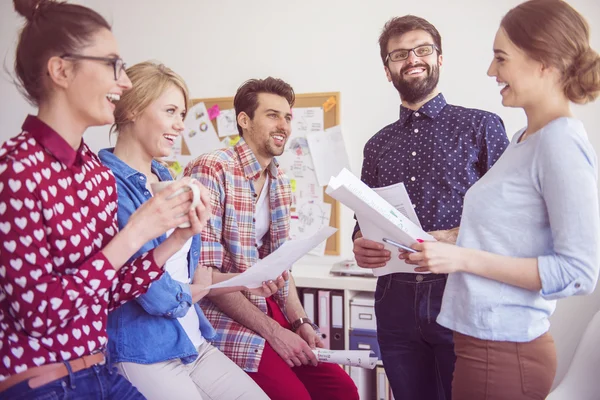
{"points": [[229, 239]]}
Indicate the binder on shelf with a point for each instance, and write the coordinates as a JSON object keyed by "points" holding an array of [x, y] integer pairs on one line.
{"points": [[309, 300], [337, 339], [364, 379], [324, 317]]}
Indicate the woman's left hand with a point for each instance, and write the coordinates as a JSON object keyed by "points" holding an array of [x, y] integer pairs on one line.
{"points": [[436, 257]]}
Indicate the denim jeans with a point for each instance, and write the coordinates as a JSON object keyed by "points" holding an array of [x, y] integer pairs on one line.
{"points": [[417, 353], [98, 382]]}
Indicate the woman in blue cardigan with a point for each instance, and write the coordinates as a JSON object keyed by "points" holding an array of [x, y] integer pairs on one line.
{"points": [[160, 342]]}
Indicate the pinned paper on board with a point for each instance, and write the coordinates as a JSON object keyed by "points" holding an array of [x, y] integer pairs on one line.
{"points": [[199, 134], [308, 218], [300, 168], [306, 119], [328, 153], [227, 123]]}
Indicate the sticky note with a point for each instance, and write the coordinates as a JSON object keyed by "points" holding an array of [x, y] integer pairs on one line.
{"points": [[234, 140], [176, 168], [214, 111], [329, 103], [293, 185]]}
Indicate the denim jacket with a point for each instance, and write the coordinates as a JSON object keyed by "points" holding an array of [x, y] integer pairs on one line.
{"points": [[146, 331]]}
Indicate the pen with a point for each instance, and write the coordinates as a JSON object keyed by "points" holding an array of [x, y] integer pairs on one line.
{"points": [[400, 246]]}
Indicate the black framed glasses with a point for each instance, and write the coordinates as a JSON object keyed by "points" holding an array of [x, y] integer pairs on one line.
{"points": [[117, 62], [423, 50]]}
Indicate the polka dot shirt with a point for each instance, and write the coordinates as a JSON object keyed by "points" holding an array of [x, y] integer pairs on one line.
{"points": [[438, 151]]}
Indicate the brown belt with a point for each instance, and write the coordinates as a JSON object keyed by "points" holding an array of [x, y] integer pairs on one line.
{"points": [[39, 376]]}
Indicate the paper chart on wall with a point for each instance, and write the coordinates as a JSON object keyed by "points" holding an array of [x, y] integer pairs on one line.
{"points": [[328, 153], [307, 119], [226, 123], [307, 219], [296, 160], [199, 134]]}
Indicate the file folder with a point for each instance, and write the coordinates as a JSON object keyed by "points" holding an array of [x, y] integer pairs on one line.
{"points": [[324, 317], [309, 300], [337, 338]]}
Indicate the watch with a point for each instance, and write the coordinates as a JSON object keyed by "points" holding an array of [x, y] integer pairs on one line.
{"points": [[304, 320]]}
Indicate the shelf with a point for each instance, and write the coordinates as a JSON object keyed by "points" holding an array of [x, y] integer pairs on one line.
{"points": [[318, 276]]}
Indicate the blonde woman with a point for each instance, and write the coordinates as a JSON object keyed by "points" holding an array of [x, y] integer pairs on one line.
{"points": [[160, 341]]}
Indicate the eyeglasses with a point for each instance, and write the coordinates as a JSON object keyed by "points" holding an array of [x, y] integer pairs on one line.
{"points": [[420, 51], [117, 62]]}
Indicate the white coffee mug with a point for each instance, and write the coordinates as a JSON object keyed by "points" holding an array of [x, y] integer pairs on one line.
{"points": [[157, 187]]}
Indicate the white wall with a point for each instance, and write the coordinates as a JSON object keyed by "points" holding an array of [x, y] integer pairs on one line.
{"points": [[317, 46]]}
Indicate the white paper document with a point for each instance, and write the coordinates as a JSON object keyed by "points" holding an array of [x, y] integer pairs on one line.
{"points": [[377, 218], [226, 123], [328, 153], [308, 218], [199, 134], [398, 197], [353, 358], [306, 119], [273, 265]]}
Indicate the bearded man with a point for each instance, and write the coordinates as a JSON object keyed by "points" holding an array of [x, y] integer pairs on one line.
{"points": [[438, 150]]}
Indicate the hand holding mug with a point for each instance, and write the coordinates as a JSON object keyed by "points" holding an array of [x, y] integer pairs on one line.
{"points": [[167, 209]]}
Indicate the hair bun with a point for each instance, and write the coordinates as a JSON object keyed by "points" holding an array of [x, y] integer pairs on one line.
{"points": [[28, 8], [582, 83]]}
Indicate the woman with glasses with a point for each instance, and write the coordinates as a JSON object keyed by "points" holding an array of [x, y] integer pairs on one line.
{"points": [[530, 230], [64, 263], [160, 341]]}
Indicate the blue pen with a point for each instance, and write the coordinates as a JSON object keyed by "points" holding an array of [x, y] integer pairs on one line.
{"points": [[400, 246]]}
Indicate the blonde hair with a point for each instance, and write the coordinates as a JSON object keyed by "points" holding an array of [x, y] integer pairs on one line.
{"points": [[149, 80], [551, 31]]}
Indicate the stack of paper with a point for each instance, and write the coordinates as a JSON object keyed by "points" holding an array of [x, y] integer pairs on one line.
{"points": [[377, 218]]}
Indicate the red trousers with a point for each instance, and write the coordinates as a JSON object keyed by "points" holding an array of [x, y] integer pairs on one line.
{"points": [[281, 382]]}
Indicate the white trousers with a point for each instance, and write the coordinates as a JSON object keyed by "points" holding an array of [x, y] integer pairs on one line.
{"points": [[211, 376]]}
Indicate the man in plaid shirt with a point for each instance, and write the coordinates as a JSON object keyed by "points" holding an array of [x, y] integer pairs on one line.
{"points": [[270, 338]]}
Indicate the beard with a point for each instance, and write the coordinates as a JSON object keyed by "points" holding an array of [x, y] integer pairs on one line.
{"points": [[270, 149], [415, 90]]}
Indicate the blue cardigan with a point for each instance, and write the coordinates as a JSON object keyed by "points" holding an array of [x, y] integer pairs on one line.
{"points": [[146, 331]]}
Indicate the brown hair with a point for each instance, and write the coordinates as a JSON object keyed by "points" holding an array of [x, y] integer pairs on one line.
{"points": [[148, 82], [553, 33], [53, 28], [246, 97], [400, 25]]}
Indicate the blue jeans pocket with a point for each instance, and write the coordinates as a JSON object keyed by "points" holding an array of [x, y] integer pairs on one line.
{"points": [[381, 288], [21, 391]]}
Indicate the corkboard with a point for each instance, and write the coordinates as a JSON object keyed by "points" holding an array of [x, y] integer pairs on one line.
{"points": [[331, 118]]}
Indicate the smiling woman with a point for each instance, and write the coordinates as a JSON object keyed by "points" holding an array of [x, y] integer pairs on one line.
{"points": [[64, 263], [159, 342]]}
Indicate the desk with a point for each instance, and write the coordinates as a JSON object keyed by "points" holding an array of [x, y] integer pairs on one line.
{"points": [[318, 276]]}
